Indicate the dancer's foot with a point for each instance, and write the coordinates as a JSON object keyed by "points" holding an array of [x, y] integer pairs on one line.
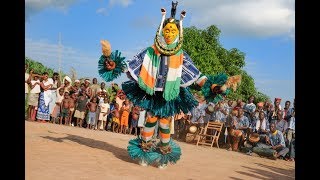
{"points": [[162, 166], [143, 163]]}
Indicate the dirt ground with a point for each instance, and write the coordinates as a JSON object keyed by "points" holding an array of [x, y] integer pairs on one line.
{"points": [[55, 152]]}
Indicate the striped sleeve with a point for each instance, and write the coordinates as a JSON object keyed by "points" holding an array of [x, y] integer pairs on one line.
{"points": [[134, 64], [190, 72]]}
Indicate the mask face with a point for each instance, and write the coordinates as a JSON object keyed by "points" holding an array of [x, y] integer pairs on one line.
{"points": [[170, 32]]}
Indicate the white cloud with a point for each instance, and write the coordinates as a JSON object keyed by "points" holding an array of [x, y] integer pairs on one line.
{"points": [[49, 54], [262, 18], [34, 6], [124, 3], [102, 11]]}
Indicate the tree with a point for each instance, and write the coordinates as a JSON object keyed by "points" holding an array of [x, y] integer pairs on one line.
{"points": [[39, 68], [210, 57]]}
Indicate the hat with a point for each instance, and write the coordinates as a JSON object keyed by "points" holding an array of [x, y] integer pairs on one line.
{"points": [[77, 80], [254, 137], [67, 78], [87, 80]]}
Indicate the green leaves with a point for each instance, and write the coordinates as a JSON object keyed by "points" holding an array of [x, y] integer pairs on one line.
{"points": [[210, 57]]}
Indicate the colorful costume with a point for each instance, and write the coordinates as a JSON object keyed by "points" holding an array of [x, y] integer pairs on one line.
{"points": [[160, 77]]}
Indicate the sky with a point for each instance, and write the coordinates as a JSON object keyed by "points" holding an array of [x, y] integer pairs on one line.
{"points": [[65, 34]]}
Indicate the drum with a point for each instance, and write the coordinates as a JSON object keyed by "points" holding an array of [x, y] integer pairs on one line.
{"points": [[193, 129], [235, 138], [254, 137], [210, 109], [235, 133]]}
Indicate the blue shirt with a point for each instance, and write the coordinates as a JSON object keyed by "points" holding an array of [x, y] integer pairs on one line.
{"points": [[277, 139], [243, 122], [198, 113]]}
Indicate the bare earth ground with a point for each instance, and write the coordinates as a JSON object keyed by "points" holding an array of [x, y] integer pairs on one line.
{"points": [[70, 153]]}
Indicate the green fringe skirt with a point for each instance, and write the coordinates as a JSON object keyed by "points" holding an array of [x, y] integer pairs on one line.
{"points": [[154, 156], [156, 104]]}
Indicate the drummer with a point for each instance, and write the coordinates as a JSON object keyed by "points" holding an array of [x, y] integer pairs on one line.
{"points": [[275, 140]]}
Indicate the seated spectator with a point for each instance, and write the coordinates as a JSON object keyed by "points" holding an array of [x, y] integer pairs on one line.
{"points": [[275, 141], [242, 124]]}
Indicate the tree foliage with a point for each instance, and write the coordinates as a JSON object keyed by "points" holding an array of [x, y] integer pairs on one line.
{"points": [[210, 57], [39, 68]]}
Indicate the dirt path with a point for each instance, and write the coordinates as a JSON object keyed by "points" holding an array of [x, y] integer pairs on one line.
{"points": [[55, 152]]}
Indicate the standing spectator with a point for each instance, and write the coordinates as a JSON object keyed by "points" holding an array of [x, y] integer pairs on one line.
{"points": [[276, 108], [76, 87], [56, 110], [239, 104], [92, 106], [267, 110], [104, 111], [88, 90], [55, 86], [94, 86], [66, 84], [287, 111], [124, 117], [101, 91], [255, 116], [80, 108], [65, 109], [43, 113], [115, 118], [249, 109], [33, 98], [120, 98], [134, 119], [72, 105], [26, 81], [290, 134]]}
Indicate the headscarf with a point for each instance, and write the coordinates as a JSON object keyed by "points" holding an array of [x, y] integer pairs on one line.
{"points": [[67, 78]]}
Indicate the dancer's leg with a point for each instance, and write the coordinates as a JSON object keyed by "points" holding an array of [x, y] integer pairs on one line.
{"points": [[148, 129]]}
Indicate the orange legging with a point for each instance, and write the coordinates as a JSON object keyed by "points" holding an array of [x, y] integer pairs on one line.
{"points": [[164, 129]]}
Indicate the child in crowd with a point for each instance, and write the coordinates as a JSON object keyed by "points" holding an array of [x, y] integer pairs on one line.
{"points": [[56, 110], [134, 119], [65, 109], [115, 118], [80, 108], [124, 118], [92, 106], [104, 111], [73, 100]]}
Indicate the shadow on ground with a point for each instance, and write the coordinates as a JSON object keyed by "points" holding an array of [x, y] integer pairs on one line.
{"points": [[273, 173], [120, 153]]}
